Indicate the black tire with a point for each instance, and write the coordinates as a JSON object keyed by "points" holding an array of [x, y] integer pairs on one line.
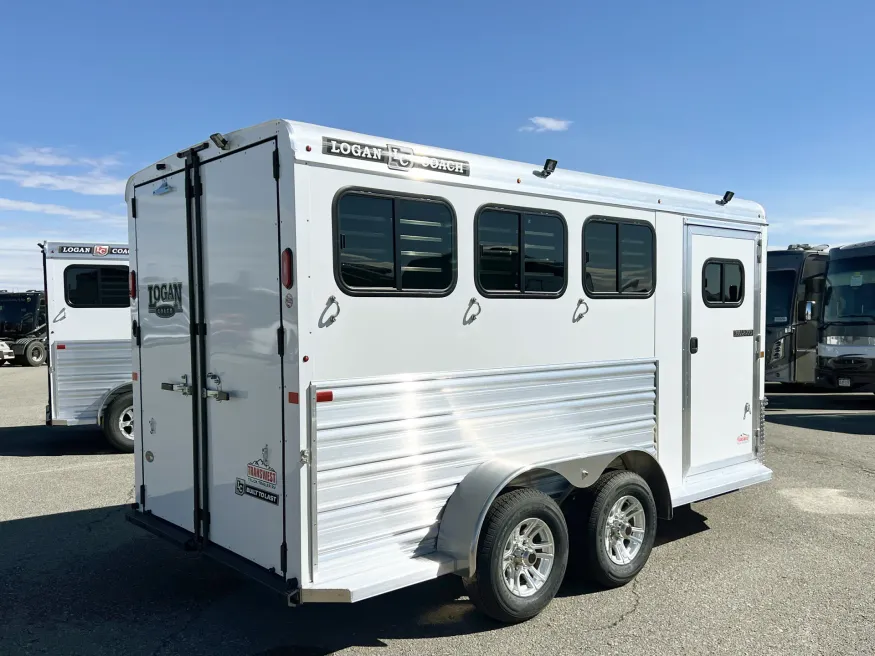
{"points": [[591, 524], [34, 354], [118, 438], [487, 589]]}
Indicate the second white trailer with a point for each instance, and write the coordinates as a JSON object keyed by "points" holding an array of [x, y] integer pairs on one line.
{"points": [[366, 363]]}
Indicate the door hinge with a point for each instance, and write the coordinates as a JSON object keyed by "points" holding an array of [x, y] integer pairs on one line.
{"points": [[276, 164], [759, 250], [135, 331], [134, 207], [284, 555], [305, 457], [281, 341], [143, 495]]}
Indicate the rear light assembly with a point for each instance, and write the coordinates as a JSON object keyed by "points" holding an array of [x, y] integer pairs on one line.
{"points": [[133, 284], [286, 269]]}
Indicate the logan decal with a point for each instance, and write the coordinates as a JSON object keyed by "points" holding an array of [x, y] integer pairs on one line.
{"points": [[260, 473], [100, 251], [244, 488], [742, 333], [397, 158], [165, 299], [81, 250]]}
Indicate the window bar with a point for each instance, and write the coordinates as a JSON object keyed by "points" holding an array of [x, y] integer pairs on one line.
{"points": [[396, 240]]}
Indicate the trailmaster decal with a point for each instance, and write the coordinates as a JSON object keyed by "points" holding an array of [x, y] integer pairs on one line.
{"points": [[260, 481]]}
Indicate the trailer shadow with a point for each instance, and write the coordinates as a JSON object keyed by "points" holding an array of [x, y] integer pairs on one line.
{"points": [[852, 414], [88, 582], [41, 440]]}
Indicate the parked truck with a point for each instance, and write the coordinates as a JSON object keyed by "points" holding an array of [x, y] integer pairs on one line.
{"points": [[361, 363], [795, 281], [846, 349], [87, 341], [23, 327]]}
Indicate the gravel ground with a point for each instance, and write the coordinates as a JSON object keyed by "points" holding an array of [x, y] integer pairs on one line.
{"points": [[782, 568]]}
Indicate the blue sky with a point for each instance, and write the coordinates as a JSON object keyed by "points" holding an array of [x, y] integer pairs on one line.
{"points": [[773, 100]]}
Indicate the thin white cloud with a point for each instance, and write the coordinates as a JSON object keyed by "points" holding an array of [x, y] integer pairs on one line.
{"points": [[53, 169], [9, 205], [855, 226], [546, 124]]}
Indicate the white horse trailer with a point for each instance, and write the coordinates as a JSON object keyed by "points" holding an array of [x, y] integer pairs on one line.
{"points": [[365, 364], [89, 338]]}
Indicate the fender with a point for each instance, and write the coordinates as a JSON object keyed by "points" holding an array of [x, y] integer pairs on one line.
{"points": [[110, 395], [465, 511]]}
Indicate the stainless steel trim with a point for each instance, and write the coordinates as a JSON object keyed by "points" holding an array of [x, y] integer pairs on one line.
{"points": [[759, 341], [686, 334], [720, 464], [312, 480]]}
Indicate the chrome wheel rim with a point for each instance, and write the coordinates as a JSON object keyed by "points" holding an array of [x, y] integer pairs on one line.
{"points": [[528, 557], [126, 422], [35, 354], [624, 530]]}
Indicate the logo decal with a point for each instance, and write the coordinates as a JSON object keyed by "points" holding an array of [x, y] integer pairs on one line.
{"points": [[80, 250], [397, 158], [242, 488], [100, 251], [744, 438], [742, 333], [260, 473], [165, 299], [163, 188]]}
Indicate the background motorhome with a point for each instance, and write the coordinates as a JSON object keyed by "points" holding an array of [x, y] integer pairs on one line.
{"points": [[89, 338], [364, 364], [794, 302], [23, 327], [846, 349]]}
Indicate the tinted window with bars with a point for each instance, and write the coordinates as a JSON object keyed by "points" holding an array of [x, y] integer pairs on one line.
{"points": [[96, 286], [503, 235], [619, 258], [391, 243], [723, 283]]}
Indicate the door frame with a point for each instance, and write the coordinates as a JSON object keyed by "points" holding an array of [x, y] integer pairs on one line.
{"points": [[693, 226]]}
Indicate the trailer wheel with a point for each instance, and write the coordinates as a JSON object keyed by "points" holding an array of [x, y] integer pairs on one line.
{"points": [[521, 557], [118, 426], [34, 354], [618, 530]]}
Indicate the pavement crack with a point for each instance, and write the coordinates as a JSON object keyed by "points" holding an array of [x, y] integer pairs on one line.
{"points": [[99, 520], [625, 615]]}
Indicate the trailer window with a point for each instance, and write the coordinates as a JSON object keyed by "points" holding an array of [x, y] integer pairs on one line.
{"points": [[520, 252], [96, 286], [619, 258], [723, 283], [394, 244]]}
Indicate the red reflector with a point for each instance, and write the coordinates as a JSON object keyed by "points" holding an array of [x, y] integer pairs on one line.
{"points": [[286, 268], [324, 396], [134, 376], [60, 347], [293, 397], [133, 285]]}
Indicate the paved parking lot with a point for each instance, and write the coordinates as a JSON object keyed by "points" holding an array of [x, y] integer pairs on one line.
{"points": [[783, 568]]}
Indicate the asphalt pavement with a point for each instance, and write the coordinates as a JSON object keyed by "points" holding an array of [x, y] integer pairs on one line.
{"points": [[782, 568]]}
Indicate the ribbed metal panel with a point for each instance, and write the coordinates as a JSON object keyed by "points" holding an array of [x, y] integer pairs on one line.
{"points": [[83, 372], [390, 452]]}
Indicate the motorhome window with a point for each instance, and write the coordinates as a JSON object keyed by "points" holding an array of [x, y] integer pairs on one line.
{"points": [[520, 252], [394, 244], [780, 286], [619, 258], [723, 283], [96, 286]]}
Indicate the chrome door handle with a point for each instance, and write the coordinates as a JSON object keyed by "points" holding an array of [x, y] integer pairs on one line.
{"points": [[217, 393], [182, 387]]}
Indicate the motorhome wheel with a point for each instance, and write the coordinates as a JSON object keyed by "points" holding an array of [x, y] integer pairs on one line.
{"points": [[118, 425], [619, 529], [521, 557]]}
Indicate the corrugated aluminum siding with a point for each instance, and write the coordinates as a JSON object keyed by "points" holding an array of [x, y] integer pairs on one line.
{"points": [[83, 372], [389, 453]]}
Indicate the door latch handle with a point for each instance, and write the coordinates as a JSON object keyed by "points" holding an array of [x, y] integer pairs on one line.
{"points": [[694, 344], [182, 387], [217, 393]]}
